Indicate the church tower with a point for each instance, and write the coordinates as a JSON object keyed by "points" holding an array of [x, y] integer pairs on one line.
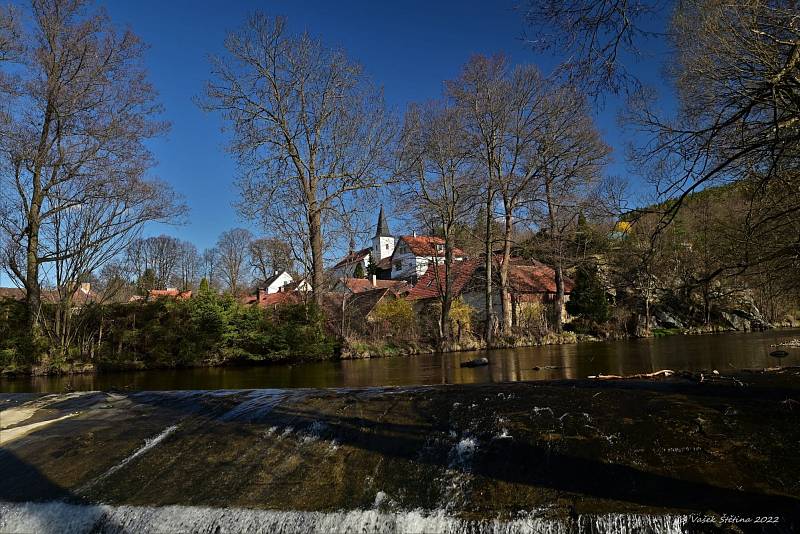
{"points": [[383, 242]]}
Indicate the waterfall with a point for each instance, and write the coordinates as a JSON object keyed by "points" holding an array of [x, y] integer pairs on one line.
{"points": [[59, 517]]}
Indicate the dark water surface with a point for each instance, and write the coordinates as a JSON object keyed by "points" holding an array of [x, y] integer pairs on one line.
{"points": [[725, 352]]}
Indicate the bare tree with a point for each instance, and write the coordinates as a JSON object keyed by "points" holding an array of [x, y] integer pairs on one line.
{"points": [[508, 111], [571, 158], [594, 38], [188, 266], [233, 247], [158, 256], [269, 255], [310, 134], [437, 158], [736, 68], [210, 267], [77, 133], [10, 39]]}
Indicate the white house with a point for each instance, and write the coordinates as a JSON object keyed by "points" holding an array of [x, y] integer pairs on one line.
{"points": [[381, 249], [276, 282], [414, 254], [404, 258]]}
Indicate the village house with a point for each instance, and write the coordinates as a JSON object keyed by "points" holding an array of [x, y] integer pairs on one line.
{"points": [[82, 296], [277, 282], [403, 258], [414, 254], [169, 293], [359, 285], [531, 283]]}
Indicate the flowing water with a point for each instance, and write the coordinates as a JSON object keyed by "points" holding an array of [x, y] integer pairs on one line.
{"points": [[724, 352]]}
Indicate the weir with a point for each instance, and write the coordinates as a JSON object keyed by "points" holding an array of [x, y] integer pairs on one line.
{"points": [[570, 456]]}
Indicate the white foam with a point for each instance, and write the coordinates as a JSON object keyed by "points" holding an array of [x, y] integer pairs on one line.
{"points": [[58, 517], [148, 444]]}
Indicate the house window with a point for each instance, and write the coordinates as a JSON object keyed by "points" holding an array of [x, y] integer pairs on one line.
{"points": [[398, 265], [387, 246]]}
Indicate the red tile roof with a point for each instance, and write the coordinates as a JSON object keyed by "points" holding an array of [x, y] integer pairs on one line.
{"points": [[531, 277], [425, 245], [172, 293], [431, 284], [359, 285], [79, 298], [536, 278], [280, 298]]}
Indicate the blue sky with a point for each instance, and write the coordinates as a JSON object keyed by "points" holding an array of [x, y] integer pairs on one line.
{"points": [[408, 47]]}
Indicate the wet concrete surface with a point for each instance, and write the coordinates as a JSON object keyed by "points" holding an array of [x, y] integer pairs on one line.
{"points": [[561, 449]]}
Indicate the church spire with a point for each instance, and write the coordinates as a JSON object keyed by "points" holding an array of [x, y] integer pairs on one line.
{"points": [[383, 228]]}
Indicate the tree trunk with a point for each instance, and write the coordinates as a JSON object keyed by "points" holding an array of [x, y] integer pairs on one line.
{"points": [[447, 297], [488, 332], [317, 268], [505, 269], [559, 304]]}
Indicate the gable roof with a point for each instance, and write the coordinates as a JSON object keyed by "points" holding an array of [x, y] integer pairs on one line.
{"points": [[431, 283], [172, 293], [536, 277], [353, 257], [271, 280], [524, 278], [360, 285], [426, 245], [360, 305], [269, 300], [81, 296]]}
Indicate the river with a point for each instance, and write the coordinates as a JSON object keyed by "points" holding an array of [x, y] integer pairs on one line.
{"points": [[725, 352]]}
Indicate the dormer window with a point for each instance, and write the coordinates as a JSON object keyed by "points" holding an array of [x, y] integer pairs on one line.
{"points": [[439, 248]]}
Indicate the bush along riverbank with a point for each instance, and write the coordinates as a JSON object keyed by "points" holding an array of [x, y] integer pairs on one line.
{"points": [[206, 330]]}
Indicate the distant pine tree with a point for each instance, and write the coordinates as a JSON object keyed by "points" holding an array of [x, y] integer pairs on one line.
{"points": [[204, 287], [588, 297], [359, 272], [372, 269]]}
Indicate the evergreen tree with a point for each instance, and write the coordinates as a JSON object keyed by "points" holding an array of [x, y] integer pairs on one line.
{"points": [[588, 297], [372, 269], [204, 287], [359, 272]]}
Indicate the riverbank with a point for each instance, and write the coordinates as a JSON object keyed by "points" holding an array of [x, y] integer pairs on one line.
{"points": [[563, 453]]}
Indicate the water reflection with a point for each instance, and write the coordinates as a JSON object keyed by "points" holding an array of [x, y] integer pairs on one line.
{"points": [[722, 351]]}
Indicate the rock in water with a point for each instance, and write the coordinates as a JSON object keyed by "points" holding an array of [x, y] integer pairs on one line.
{"points": [[477, 362]]}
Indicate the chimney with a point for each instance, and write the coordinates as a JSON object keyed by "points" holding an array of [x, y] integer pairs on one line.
{"points": [[374, 280], [415, 233]]}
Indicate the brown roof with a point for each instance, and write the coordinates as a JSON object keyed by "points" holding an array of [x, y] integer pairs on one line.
{"points": [[359, 285], [79, 298], [530, 277], [536, 278], [353, 257], [360, 305], [385, 264], [431, 284], [279, 299], [172, 293], [425, 245]]}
